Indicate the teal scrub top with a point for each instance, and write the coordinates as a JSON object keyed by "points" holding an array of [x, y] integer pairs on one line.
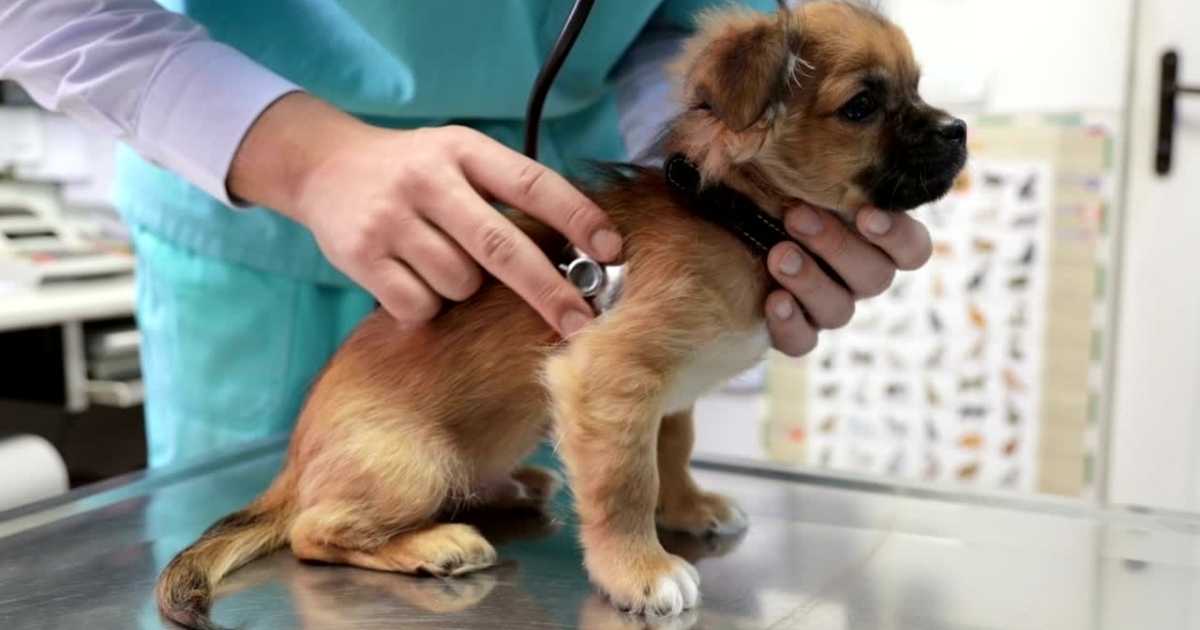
{"points": [[402, 64]]}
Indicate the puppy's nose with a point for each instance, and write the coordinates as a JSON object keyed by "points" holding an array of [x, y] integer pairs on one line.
{"points": [[953, 130]]}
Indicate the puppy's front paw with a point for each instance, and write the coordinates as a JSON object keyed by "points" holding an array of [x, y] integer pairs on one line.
{"points": [[655, 584], [702, 514], [597, 613]]}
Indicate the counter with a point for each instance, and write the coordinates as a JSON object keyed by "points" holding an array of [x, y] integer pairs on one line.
{"points": [[820, 553]]}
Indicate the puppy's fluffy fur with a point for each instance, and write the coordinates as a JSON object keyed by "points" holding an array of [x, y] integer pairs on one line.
{"points": [[404, 425]]}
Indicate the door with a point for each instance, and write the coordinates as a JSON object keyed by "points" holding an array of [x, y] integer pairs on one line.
{"points": [[1155, 421]]}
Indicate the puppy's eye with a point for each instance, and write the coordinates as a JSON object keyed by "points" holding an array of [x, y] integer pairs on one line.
{"points": [[859, 108]]}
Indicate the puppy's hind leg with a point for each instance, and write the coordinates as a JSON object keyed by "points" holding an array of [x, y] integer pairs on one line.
{"points": [[326, 533], [393, 529]]}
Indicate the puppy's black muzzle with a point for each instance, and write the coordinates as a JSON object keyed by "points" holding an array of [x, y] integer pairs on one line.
{"points": [[925, 152]]}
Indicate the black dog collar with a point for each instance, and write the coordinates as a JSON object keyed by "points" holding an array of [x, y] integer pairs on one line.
{"points": [[733, 211], [725, 206], [720, 204]]}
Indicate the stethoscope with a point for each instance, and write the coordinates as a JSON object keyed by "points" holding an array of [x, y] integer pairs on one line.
{"points": [[600, 284]]}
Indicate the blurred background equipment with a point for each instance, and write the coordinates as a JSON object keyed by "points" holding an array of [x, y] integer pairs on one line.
{"points": [[69, 370], [40, 246]]}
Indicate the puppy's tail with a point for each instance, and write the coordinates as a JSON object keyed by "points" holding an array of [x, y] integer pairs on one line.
{"points": [[185, 588]]}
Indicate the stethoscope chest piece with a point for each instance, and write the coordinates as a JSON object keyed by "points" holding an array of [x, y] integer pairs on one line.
{"points": [[600, 284]]}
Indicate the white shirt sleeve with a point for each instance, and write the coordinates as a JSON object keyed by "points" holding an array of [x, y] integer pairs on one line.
{"points": [[149, 77], [645, 102]]}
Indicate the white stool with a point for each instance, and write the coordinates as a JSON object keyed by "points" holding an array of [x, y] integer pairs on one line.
{"points": [[30, 470]]}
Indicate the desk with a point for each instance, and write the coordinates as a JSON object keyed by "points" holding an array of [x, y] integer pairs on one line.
{"points": [[69, 306], [820, 553], [67, 302]]}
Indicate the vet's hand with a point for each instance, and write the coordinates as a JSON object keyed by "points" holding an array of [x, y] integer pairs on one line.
{"points": [[867, 259], [406, 214]]}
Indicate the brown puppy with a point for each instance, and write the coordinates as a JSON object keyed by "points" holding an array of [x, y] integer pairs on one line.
{"points": [[819, 105]]}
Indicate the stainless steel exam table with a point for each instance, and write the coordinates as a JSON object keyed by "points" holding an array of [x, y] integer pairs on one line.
{"points": [[820, 553]]}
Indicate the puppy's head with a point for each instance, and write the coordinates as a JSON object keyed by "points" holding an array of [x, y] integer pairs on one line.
{"points": [[819, 103]]}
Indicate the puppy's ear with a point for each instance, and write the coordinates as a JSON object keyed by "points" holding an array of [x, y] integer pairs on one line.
{"points": [[741, 66]]}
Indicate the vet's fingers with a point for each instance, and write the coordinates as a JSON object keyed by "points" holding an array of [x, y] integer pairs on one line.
{"points": [[440, 262], [791, 333], [827, 303], [409, 300], [539, 192], [900, 236], [508, 253], [864, 267]]}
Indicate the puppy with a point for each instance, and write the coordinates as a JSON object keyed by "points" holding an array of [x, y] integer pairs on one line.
{"points": [[404, 426]]}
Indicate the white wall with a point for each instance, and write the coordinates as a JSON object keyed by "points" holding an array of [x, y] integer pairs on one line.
{"points": [[1020, 56]]}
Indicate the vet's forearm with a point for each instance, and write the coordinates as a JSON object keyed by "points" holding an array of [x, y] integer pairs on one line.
{"points": [[286, 143]]}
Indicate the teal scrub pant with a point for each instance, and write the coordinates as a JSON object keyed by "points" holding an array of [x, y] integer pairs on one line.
{"points": [[228, 352]]}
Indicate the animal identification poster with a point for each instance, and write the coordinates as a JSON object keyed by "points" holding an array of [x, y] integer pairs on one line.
{"points": [[986, 368], [939, 379]]}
